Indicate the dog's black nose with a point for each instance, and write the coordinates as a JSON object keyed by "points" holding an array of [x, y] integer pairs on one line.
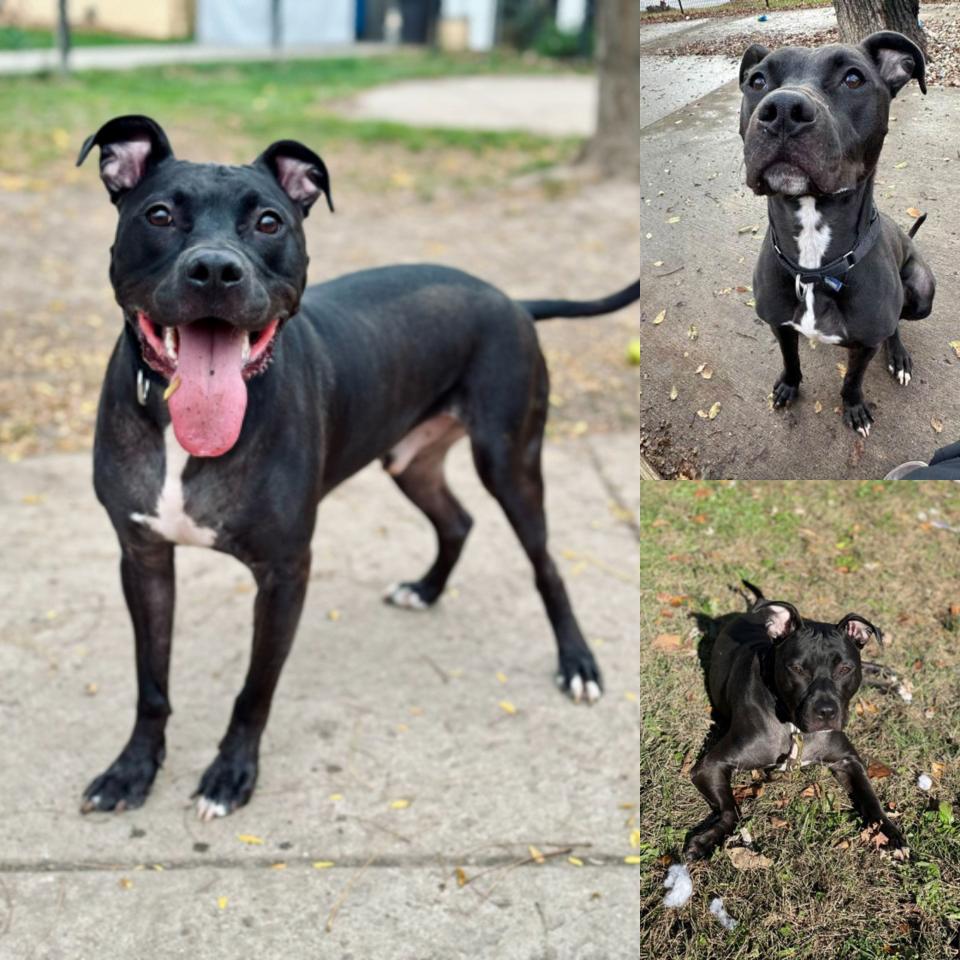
{"points": [[213, 269], [786, 113], [825, 710]]}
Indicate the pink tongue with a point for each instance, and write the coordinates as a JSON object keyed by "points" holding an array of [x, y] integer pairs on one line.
{"points": [[207, 408]]}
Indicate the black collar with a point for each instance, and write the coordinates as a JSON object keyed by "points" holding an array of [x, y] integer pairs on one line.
{"points": [[830, 273]]}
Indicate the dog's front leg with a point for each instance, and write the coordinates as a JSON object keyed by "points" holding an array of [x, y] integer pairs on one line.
{"points": [[787, 387], [855, 412], [711, 776], [146, 572], [229, 781], [850, 772]]}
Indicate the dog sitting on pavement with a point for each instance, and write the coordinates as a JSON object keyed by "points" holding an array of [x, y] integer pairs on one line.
{"points": [[831, 267]]}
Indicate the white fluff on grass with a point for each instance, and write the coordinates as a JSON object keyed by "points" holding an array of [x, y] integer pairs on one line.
{"points": [[680, 884], [720, 912], [924, 782]]}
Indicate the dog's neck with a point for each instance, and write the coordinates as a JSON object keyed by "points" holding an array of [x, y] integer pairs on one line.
{"points": [[846, 215]]}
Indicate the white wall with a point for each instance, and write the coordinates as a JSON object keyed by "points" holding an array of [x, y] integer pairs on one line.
{"points": [[571, 14], [482, 16], [247, 22]]}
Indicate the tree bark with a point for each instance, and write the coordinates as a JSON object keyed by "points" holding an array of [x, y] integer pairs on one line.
{"points": [[616, 144], [63, 36], [859, 18]]}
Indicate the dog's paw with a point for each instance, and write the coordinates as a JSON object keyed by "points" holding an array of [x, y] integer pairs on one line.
{"points": [[227, 784], [409, 596], [858, 417], [123, 786], [784, 393], [899, 364], [896, 842], [579, 676], [701, 846]]}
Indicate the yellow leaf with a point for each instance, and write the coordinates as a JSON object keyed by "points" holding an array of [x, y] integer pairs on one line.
{"points": [[632, 859], [279, 865], [222, 903], [400, 804], [32, 499], [576, 861], [714, 410], [461, 877], [336, 796], [674, 393], [507, 707], [631, 696], [956, 347], [536, 855], [126, 883], [501, 676], [634, 839], [322, 864], [250, 839], [659, 318], [634, 352], [901, 165], [333, 615], [673, 220]]}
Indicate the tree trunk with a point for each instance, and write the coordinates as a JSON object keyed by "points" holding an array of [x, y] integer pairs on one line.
{"points": [[616, 144], [63, 36], [858, 18]]}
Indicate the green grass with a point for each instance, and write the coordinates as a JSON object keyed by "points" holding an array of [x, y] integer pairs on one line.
{"points": [[874, 548], [44, 119], [31, 38]]}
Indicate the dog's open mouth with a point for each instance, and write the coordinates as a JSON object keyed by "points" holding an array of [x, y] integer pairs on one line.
{"points": [[207, 363]]}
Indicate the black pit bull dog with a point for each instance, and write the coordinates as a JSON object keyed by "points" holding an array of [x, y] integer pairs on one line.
{"points": [[235, 400], [831, 267], [780, 688]]}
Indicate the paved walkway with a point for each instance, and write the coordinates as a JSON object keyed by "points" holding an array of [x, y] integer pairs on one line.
{"points": [[376, 706]]}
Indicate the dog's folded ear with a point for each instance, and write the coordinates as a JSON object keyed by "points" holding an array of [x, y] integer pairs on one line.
{"points": [[752, 56], [859, 629], [780, 618], [130, 147], [299, 171], [897, 58]]}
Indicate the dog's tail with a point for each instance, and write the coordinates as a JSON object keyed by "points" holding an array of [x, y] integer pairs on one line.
{"points": [[554, 309], [917, 224]]}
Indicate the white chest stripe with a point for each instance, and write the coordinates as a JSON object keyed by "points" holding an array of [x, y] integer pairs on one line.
{"points": [[170, 519], [813, 242]]}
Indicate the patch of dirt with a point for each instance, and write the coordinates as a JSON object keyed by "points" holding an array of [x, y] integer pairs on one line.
{"points": [[558, 232]]}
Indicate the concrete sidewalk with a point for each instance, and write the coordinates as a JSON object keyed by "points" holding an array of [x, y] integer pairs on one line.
{"points": [[376, 705]]}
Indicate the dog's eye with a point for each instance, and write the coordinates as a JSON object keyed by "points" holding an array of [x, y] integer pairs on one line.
{"points": [[853, 79], [159, 215], [758, 82], [842, 669], [269, 222]]}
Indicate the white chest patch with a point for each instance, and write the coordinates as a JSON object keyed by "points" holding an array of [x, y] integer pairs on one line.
{"points": [[170, 519], [812, 244]]}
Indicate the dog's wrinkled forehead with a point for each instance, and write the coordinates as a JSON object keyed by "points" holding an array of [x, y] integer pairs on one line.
{"points": [[821, 638], [814, 67]]}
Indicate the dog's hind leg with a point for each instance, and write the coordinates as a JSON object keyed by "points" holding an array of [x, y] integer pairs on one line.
{"points": [[507, 457], [422, 479]]}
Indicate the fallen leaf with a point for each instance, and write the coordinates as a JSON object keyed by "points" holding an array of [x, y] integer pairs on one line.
{"points": [[336, 797], [222, 903], [632, 859], [812, 791], [714, 411], [913, 212], [744, 859], [937, 769], [536, 855], [673, 220], [778, 823], [634, 839], [401, 804], [901, 165], [461, 877], [507, 707], [707, 373], [956, 347], [125, 883], [692, 332], [658, 263], [674, 393], [279, 865], [747, 791], [250, 839], [877, 770], [634, 352], [937, 424], [818, 407], [322, 864], [659, 318], [576, 861], [667, 642]]}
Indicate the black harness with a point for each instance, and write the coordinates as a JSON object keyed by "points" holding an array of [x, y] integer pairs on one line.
{"points": [[830, 273]]}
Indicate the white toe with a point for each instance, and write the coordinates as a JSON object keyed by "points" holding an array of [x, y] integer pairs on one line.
{"points": [[208, 809], [576, 688], [593, 691], [403, 596], [906, 378], [890, 368]]}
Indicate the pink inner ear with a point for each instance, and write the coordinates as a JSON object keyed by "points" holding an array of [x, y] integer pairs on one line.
{"points": [[294, 178], [778, 621], [858, 631], [126, 163]]}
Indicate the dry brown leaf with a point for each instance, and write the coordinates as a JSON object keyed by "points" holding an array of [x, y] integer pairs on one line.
{"points": [[937, 424], [674, 393], [744, 859], [659, 318], [877, 770], [913, 212], [778, 823], [461, 877], [747, 791], [937, 769], [667, 642]]}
